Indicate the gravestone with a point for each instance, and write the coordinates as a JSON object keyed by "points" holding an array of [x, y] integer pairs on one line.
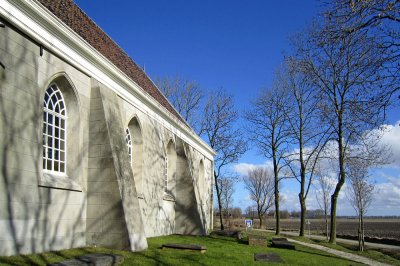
{"points": [[268, 257], [257, 240], [230, 233], [92, 260], [191, 247], [282, 243]]}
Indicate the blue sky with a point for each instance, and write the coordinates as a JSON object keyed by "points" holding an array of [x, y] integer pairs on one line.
{"points": [[231, 44]]}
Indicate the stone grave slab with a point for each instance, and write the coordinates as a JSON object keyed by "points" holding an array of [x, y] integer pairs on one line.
{"points": [[257, 240], [191, 247], [282, 243], [268, 257], [230, 233], [96, 259]]}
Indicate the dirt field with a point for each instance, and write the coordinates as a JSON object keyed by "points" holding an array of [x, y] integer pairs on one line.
{"points": [[380, 228]]}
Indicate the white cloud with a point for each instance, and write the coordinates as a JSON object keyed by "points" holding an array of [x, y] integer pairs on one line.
{"points": [[290, 200], [243, 168], [391, 138], [386, 197]]}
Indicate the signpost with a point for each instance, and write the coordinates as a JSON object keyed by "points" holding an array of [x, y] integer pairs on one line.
{"points": [[249, 224]]}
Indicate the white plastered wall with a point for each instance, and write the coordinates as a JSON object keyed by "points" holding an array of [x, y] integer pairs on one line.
{"points": [[36, 218], [158, 209]]}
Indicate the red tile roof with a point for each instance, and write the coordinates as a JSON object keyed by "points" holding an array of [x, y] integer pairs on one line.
{"points": [[69, 13]]}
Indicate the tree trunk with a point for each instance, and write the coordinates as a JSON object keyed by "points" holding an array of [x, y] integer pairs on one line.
{"points": [[359, 233], [276, 193], [342, 178], [260, 217], [326, 225], [303, 209], [219, 200], [302, 198], [334, 197], [277, 212], [362, 240], [332, 233]]}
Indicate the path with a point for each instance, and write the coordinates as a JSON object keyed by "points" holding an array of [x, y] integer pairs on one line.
{"points": [[342, 240], [341, 254]]}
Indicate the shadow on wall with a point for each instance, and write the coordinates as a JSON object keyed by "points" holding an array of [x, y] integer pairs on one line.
{"points": [[118, 190], [169, 206], [32, 218], [158, 213], [202, 189], [137, 153], [187, 216]]}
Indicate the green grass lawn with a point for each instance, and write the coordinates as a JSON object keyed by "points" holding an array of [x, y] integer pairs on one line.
{"points": [[386, 256], [220, 251]]}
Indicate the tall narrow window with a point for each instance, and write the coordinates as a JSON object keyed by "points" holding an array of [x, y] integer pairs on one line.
{"points": [[169, 171], [54, 130], [128, 140], [166, 175], [134, 140]]}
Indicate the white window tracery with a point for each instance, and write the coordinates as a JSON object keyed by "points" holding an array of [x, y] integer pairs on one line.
{"points": [[128, 140], [166, 174], [54, 131]]}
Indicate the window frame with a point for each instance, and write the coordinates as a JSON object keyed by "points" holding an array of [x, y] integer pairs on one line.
{"points": [[129, 141], [166, 174], [56, 179], [62, 163]]}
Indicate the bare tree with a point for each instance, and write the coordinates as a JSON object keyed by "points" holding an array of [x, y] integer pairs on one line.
{"points": [[360, 193], [380, 18], [250, 212], [184, 95], [353, 95], [268, 131], [226, 186], [324, 190], [307, 134], [218, 128], [236, 212], [260, 184]]}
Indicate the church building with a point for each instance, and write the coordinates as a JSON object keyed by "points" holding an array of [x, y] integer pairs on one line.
{"points": [[91, 152]]}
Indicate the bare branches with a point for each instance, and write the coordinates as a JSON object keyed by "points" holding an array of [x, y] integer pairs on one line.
{"points": [[226, 186], [354, 90], [361, 189], [267, 127], [377, 19], [269, 131], [307, 135], [184, 95], [218, 128], [325, 186], [360, 193], [380, 16], [260, 184]]}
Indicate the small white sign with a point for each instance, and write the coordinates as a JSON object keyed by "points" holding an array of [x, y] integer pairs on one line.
{"points": [[249, 223]]}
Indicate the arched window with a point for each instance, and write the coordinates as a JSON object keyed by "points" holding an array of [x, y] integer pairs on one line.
{"points": [[166, 175], [136, 152], [201, 180], [128, 140], [170, 169], [54, 131]]}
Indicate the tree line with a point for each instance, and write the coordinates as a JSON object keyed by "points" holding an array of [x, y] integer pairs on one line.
{"points": [[320, 120]]}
